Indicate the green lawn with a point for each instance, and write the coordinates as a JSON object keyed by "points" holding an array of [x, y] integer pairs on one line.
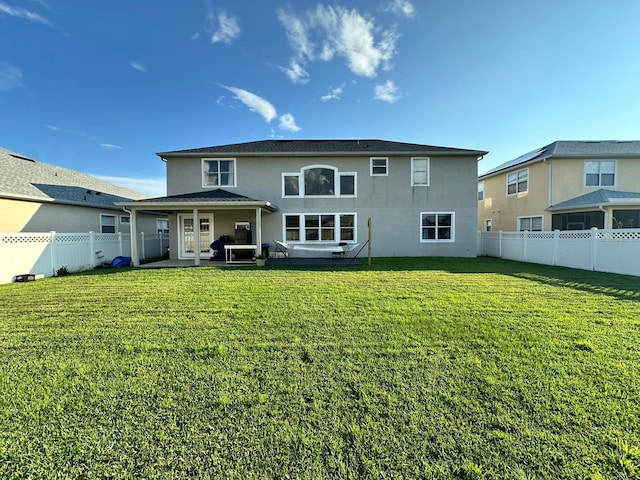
{"points": [[412, 368]]}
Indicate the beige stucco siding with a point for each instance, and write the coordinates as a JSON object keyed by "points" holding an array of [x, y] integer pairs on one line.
{"points": [[45, 217], [504, 209]]}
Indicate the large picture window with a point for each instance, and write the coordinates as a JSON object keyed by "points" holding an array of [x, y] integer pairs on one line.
{"points": [[437, 227], [319, 181], [320, 227], [518, 182], [219, 172], [600, 173]]}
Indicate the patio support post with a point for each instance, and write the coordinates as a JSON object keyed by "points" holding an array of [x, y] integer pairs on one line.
{"points": [[196, 237], [258, 231], [133, 233]]}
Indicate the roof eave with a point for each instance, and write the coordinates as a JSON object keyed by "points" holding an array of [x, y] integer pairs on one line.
{"points": [[181, 205], [459, 153]]}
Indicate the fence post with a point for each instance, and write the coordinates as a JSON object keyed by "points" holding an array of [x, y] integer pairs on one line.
{"points": [[120, 243], [525, 239], [92, 250], [143, 257], [554, 248], [500, 244], [594, 247], [52, 249]]}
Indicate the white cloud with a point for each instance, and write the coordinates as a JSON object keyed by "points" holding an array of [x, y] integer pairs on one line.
{"points": [[20, 12], [296, 73], [153, 187], [339, 32], [287, 122], [138, 66], [402, 8], [10, 77], [334, 94], [195, 36], [111, 146], [227, 29], [255, 103], [387, 92]]}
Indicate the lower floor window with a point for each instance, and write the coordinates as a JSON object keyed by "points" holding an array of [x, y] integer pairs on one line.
{"points": [[531, 224], [108, 224], [626, 218], [320, 227], [577, 220], [162, 226], [437, 227]]}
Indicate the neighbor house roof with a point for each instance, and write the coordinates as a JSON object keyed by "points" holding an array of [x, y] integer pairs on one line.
{"points": [[572, 149], [217, 197], [599, 198], [27, 179], [314, 147]]}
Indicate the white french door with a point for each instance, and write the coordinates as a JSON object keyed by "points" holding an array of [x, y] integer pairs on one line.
{"points": [[187, 235]]}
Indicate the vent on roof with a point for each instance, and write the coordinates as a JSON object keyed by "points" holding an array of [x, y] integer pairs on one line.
{"points": [[22, 158]]}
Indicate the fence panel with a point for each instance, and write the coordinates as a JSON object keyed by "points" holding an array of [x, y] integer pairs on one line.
{"points": [[45, 253], [614, 251]]}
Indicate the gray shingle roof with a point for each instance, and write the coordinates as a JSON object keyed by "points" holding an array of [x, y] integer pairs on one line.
{"points": [[599, 197], [25, 178], [573, 149], [308, 147], [217, 194]]}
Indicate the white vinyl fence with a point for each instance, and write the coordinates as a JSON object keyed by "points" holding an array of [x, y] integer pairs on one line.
{"points": [[46, 253], [613, 251]]}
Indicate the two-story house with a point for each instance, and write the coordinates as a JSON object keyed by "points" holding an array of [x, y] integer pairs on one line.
{"points": [[41, 197], [566, 185], [421, 199]]}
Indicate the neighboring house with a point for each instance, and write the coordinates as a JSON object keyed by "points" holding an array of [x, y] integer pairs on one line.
{"points": [[566, 185], [39, 197], [421, 199]]}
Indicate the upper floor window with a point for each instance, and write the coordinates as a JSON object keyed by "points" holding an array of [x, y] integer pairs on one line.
{"points": [[420, 171], [532, 224], [319, 181], [437, 227], [108, 223], [379, 166], [219, 172], [518, 182], [480, 191], [599, 173]]}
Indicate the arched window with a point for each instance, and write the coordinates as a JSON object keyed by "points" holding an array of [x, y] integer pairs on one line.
{"points": [[319, 181]]}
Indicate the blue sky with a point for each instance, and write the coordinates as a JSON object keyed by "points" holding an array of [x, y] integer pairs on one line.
{"points": [[100, 87]]}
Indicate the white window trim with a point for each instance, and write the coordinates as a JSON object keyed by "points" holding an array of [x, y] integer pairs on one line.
{"points": [[336, 179], [453, 228], [413, 184], [386, 167], [615, 173], [480, 189], [336, 227], [114, 225], [521, 217], [517, 172], [235, 173]]}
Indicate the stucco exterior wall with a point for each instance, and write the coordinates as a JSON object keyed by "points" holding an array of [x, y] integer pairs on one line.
{"points": [[504, 209], [23, 216], [390, 201]]}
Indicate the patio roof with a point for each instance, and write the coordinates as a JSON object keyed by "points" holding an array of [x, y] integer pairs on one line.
{"points": [[602, 197], [217, 198]]}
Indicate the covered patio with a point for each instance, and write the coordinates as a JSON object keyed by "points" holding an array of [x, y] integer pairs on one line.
{"points": [[192, 221]]}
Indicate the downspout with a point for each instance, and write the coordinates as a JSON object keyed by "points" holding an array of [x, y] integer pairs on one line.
{"points": [[606, 217], [133, 234]]}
